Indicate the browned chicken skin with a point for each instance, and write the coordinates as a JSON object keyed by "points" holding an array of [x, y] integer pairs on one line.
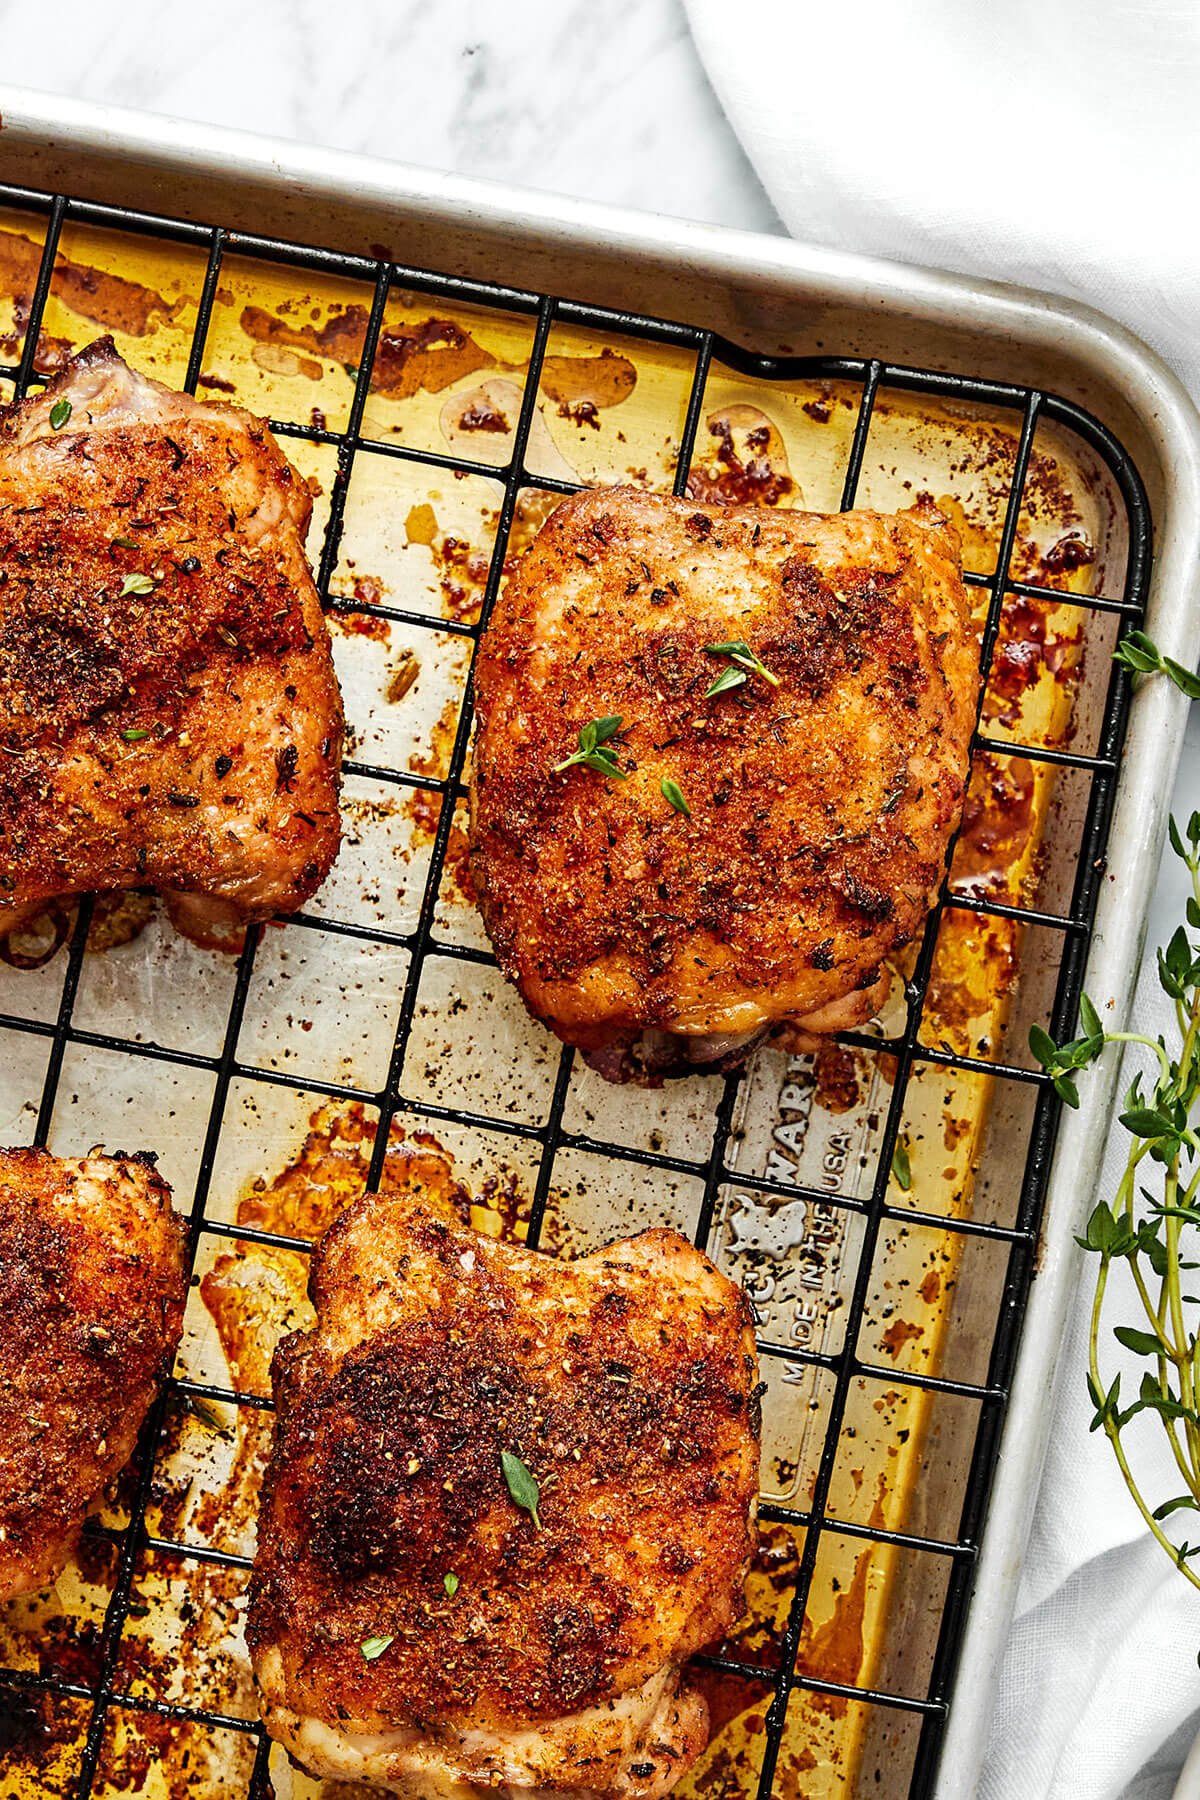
{"points": [[169, 715], [92, 1288], [550, 1662], [822, 788]]}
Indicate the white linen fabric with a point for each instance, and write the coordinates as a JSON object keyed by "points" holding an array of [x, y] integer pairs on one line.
{"points": [[1036, 141], [1056, 145]]}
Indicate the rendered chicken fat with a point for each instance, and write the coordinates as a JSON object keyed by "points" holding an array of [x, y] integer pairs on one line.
{"points": [[821, 781], [626, 1383], [169, 715]]}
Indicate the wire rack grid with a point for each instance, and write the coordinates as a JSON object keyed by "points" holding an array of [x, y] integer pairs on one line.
{"points": [[550, 1137]]}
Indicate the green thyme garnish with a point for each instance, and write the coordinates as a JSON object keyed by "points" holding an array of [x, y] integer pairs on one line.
{"points": [[137, 584], [523, 1489], [901, 1167], [1141, 654], [1061, 1061], [60, 412], [743, 661], [450, 1583], [672, 793], [592, 753], [728, 678], [124, 543], [374, 1647], [208, 1415], [134, 737]]}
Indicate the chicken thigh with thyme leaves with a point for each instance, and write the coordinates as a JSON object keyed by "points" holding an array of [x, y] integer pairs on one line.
{"points": [[508, 1498], [720, 754], [169, 714]]}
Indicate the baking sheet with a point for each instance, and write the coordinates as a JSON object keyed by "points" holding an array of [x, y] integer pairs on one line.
{"points": [[324, 1008]]}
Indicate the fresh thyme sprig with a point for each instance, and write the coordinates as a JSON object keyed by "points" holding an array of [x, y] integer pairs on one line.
{"points": [[1146, 1227], [1060, 1061], [592, 752], [1141, 654], [743, 661]]}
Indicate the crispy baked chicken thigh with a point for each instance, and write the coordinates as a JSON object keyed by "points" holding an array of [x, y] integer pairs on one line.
{"points": [[720, 753], [169, 715], [420, 1620], [92, 1287]]}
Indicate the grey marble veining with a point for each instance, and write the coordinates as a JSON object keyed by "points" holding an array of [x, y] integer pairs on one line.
{"points": [[604, 102]]}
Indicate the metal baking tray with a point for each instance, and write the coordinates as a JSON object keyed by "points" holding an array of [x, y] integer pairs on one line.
{"points": [[442, 360]]}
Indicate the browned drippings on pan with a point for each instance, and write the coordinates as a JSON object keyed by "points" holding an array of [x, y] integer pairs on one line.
{"points": [[417, 552]]}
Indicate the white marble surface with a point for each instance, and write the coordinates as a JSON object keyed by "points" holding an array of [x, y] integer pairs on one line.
{"points": [[604, 102]]}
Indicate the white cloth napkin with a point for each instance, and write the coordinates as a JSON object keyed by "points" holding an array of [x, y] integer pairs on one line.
{"points": [[1055, 144]]}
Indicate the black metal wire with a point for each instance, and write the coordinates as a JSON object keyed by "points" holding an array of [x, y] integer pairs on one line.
{"points": [[551, 1137], [422, 940]]}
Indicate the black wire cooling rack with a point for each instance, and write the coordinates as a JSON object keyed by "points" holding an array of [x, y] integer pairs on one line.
{"points": [[1029, 406]]}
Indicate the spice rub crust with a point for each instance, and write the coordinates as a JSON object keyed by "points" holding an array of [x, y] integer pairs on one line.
{"points": [[92, 1288], [625, 1383], [820, 802], [169, 715]]}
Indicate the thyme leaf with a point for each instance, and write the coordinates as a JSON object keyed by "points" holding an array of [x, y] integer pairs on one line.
{"points": [[522, 1487], [901, 1167], [728, 678], [592, 754], [450, 1583], [208, 1415], [739, 652], [373, 1647], [60, 412], [1140, 653], [673, 794], [137, 584]]}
